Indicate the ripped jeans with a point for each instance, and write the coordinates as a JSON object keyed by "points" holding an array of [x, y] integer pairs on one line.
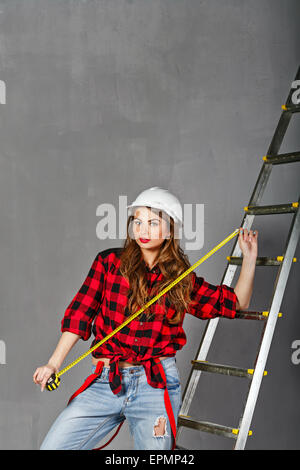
{"points": [[92, 414]]}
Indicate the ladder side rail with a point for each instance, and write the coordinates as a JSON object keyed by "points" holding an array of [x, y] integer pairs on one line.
{"points": [[210, 329], [279, 288], [283, 123], [273, 150]]}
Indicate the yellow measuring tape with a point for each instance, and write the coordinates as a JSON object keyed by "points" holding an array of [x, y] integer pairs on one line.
{"points": [[54, 380]]}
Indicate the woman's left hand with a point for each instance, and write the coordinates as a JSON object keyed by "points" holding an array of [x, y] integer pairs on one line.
{"points": [[248, 243]]}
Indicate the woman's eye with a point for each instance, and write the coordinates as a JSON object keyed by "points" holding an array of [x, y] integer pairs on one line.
{"points": [[155, 224]]}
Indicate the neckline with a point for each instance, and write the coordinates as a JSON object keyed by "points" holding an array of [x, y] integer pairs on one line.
{"points": [[154, 269]]}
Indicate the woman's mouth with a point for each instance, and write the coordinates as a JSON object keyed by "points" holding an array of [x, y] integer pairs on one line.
{"points": [[144, 240]]}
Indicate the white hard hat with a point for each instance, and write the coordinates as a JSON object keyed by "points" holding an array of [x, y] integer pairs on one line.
{"points": [[160, 199]]}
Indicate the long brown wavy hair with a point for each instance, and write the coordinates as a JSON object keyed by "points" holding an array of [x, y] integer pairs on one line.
{"points": [[172, 262]]}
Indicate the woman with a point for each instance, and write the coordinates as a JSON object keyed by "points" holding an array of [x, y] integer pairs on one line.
{"points": [[134, 373]]}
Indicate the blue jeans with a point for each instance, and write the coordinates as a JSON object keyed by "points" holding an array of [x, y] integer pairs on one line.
{"points": [[93, 413]]}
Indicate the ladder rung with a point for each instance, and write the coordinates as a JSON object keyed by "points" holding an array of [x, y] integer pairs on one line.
{"points": [[205, 426], [260, 261], [252, 315], [282, 158], [273, 209], [291, 108], [223, 369]]}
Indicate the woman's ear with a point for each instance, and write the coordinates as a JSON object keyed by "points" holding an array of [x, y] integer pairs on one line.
{"points": [[168, 235]]}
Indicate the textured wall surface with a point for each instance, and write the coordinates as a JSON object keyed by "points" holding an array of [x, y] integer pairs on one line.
{"points": [[101, 99]]}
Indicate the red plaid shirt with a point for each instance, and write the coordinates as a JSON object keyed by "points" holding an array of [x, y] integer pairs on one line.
{"points": [[102, 298]]}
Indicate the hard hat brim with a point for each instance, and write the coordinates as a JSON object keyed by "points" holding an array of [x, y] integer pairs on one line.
{"points": [[157, 206]]}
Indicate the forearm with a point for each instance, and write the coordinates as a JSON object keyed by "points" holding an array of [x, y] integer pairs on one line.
{"points": [[64, 346], [244, 285]]}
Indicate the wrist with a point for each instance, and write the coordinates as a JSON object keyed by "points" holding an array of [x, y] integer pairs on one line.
{"points": [[250, 259], [55, 364]]}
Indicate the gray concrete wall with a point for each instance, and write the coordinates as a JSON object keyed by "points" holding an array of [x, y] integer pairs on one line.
{"points": [[106, 98]]}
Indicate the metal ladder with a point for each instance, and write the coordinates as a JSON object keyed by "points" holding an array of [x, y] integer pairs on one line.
{"points": [[269, 317]]}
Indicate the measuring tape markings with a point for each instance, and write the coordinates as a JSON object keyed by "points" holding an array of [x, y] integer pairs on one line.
{"points": [[54, 380]]}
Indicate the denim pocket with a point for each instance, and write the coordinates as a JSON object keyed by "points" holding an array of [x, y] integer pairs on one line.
{"points": [[172, 377], [104, 376]]}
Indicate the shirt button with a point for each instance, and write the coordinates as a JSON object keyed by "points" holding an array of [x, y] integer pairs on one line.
{"points": [[141, 322]]}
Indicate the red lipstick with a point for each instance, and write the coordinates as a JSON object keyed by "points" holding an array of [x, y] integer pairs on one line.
{"points": [[144, 240]]}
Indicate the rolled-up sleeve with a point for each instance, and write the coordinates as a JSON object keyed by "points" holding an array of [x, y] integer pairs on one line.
{"points": [[210, 301], [84, 306]]}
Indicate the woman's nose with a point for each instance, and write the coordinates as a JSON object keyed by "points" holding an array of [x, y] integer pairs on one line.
{"points": [[144, 232], [145, 235]]}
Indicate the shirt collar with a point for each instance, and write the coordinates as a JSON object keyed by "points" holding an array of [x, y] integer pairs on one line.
{"points": [[155, 268]]}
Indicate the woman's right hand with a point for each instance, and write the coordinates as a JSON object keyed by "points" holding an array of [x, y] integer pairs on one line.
{"points": [[42, 374]]}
